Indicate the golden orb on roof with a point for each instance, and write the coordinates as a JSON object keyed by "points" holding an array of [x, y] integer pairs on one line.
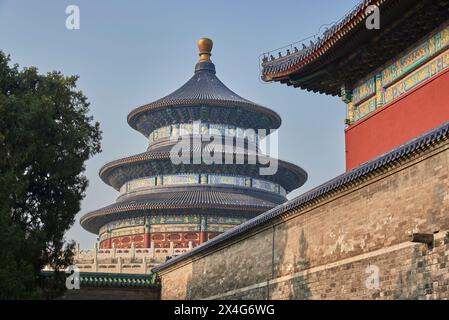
{"points": [[205, 47]]}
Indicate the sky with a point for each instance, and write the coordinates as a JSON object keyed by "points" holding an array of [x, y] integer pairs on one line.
{"points": [[129, 53]]}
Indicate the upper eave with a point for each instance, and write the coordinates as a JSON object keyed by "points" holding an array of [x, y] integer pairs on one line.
{"points": [[349, 51], [203, 97]]}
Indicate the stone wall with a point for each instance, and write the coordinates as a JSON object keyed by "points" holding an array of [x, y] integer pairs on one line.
{"points": [[329, 248]]}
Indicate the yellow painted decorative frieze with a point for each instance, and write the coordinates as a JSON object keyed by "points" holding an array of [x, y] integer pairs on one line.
{"points": [[350, 112], [127, 231], [364, 109], [380, 91], [364, 91], [408, 62], [424, 61], [219, 227], [175, 228], [417, 77]]}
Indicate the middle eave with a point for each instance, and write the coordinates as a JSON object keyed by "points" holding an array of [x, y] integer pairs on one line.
{"points": [[150, 163]]}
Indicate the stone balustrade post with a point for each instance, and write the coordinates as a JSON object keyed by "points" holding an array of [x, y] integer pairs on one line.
{"points": [[172, 248], [133, 251], [113, 251], [152, 250], [145, 265]]}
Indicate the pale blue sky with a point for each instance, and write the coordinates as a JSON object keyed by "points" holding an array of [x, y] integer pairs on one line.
{"points": [[128, 53]]}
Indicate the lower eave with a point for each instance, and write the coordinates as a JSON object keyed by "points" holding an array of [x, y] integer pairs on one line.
{"points": [[188, 200]]}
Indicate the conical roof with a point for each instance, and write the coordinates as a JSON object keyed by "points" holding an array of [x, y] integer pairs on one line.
{"points": [[203, 90]]}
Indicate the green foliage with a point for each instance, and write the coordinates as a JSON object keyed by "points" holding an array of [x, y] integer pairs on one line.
{"points": [[46, 135]]}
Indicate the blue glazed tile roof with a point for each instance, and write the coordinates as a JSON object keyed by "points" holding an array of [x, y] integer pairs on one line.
{"points": [[188, 199], [204, 85], [413, 147], [204, 88]]}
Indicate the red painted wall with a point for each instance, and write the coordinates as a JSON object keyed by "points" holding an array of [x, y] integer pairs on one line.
{"points": [[159, 239], [417, 112]]}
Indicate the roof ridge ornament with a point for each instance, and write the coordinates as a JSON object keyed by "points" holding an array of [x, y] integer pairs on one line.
{"points": [[205, 46]]}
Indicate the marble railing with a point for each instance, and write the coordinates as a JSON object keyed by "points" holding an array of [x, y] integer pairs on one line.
{"points": [[123, 260]]}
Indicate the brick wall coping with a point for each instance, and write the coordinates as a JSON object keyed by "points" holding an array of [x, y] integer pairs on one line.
{"points": [[411, 148]]}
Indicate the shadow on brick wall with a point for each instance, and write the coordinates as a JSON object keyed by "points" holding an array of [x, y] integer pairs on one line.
{"points": [[414, 282], [298, 287], [301, 290]]}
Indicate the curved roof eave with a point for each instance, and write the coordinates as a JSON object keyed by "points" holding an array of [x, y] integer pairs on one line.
{"points": [[281, 67], [299, 173], [191, 199], [204, 88]]}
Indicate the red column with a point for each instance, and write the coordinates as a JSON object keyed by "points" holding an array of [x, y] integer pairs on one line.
{"points": [[147, 234], [203, 228], [203, 236], [107, 244], [147, 239]]}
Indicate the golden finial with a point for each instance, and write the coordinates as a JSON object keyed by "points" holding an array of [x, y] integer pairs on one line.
{"points": [[205, 46]]}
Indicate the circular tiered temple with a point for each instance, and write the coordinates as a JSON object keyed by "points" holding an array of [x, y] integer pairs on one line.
{"points": [[166, 204]]}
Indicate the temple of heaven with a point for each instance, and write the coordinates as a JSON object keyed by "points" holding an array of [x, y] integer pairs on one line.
{"points": [[164, 204]]}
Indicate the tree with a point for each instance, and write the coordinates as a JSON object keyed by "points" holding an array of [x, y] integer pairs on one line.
{"points": [[46, 135]]}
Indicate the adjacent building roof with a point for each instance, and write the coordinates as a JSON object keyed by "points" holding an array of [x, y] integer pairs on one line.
{"points": [[409, 149], [349, 51]]}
